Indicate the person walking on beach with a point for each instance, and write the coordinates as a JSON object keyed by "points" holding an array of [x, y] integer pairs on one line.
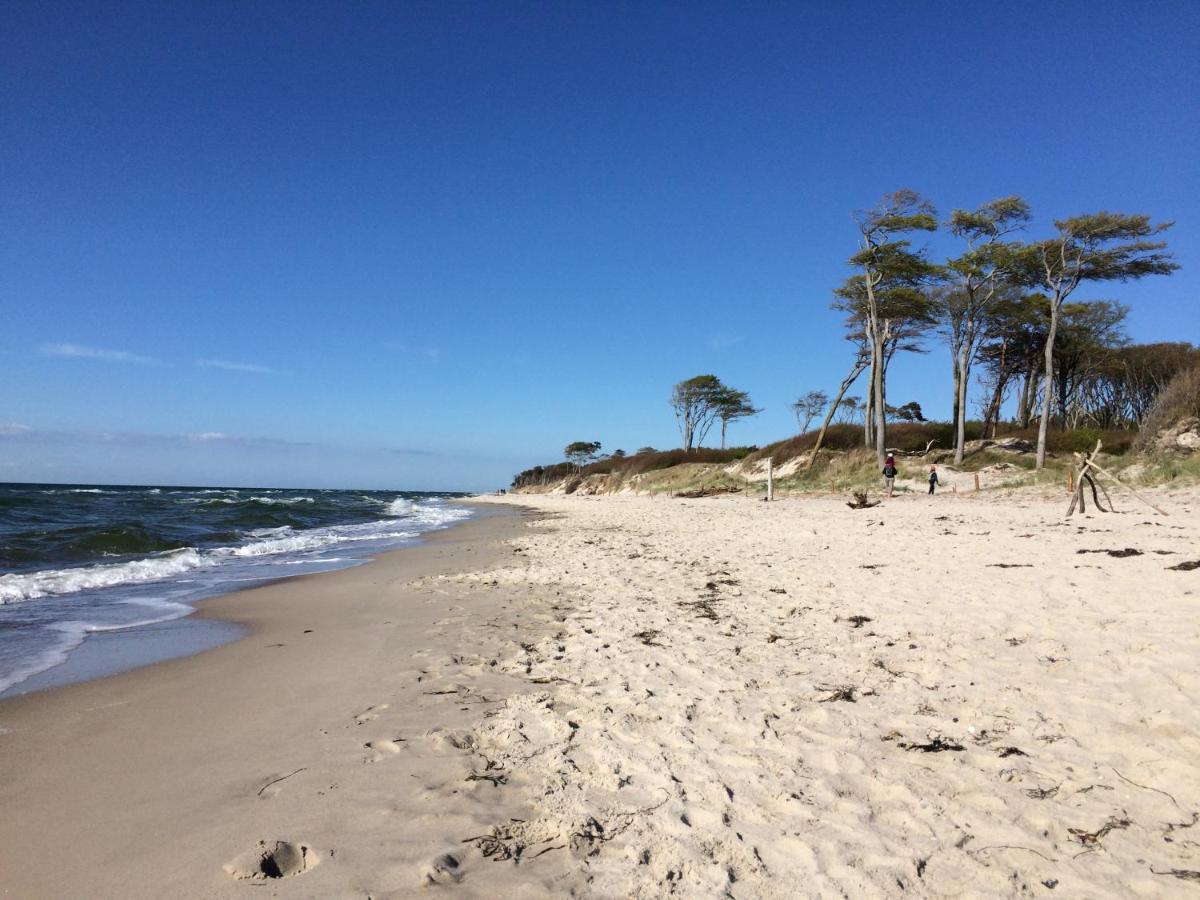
{"points": [[933, 479], [889, 473]]}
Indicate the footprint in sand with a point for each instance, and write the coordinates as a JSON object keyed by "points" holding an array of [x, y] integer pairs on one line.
{"points": [[381, 749], [273, 859], [458, 740], [446, 869], [370, 713]]}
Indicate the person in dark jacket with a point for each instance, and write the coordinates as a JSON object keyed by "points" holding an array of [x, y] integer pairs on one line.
{"points": [[933, 479], [889, 473]]}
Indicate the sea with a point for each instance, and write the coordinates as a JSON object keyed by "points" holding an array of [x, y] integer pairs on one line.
{"points": [[81, 562]]}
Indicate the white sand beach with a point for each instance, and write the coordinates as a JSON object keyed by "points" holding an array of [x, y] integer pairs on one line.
{"points": [[947, 697], [634, 697]]}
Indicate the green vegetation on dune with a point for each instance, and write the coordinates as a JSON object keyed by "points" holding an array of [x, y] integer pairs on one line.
{"points": [[1006, 308]]}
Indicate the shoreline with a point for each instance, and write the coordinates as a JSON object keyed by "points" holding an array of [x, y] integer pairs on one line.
{"points": [[112, 651], [620, 696], [149, 780]]}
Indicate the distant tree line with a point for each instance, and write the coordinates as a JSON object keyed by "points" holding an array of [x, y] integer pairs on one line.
{"points": [[1003, 303], [1003, 308]]}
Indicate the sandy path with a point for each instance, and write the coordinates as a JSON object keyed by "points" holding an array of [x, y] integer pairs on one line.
{"points": [[932, 698]]}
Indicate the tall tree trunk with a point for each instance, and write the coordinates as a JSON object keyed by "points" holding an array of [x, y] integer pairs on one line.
{"points": [[724, 422], [1044, 425], [868, 420], [856, 370], [993, 411], [880, 421], [1028, 396], [963, 364], [956, 391]]}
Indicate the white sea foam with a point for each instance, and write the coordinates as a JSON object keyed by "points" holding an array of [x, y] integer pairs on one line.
{"points": [[46, 659], [32, 585], [277, 531], [18, 587], [278, 500], [314, 538], [398, 507]]}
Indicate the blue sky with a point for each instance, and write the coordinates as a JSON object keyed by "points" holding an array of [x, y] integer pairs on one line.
{"points": [[426, 245]]}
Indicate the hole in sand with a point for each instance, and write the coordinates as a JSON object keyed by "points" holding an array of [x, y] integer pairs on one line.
{"points": [[273, 859]]}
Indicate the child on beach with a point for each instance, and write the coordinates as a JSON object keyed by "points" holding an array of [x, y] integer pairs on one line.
{"points": [[933, 479], [889, 473]]}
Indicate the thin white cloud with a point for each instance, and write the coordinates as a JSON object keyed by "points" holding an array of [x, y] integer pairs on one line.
{"points": [[209, 436], [234, 366], [79, 351], [433, 354], [11, 428], [724, 341]]}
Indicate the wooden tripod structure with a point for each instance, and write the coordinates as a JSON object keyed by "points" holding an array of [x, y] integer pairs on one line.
{"points": [[1087, 465]]}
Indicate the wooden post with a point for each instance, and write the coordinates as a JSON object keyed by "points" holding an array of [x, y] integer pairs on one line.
{"points": [[1070, 481], [977, 482], [770, 479]]}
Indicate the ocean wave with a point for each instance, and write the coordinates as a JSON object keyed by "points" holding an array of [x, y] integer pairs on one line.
{"points": [[398, 507], [260, 542], [314, 538], [278, 531], [33, 585]]}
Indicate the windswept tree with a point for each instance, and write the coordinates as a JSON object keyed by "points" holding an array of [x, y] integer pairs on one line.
{"points": [[909, 412], [908, 325], [808, 407], [861, 359], [580, 453], [697, 404], [1101, 246], [851, 410], [888, 287], [731, 406], [1011, 355], [975, 280], [1088, 336]]}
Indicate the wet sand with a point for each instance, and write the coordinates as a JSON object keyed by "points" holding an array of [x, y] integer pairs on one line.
{"points": [[147, 783]]}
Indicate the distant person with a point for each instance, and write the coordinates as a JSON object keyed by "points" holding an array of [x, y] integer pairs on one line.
{"points": [[889, 473], [933, 478]]}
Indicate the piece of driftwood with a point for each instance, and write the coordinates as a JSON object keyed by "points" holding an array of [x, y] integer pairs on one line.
{"points": [[706, 492], [1088, 466], [1085, 477], [860, 501], [1092, 465]]}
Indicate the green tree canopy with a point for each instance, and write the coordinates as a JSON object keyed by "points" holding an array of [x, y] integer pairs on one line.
{"points": [[697, 403], [581, 452]]}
